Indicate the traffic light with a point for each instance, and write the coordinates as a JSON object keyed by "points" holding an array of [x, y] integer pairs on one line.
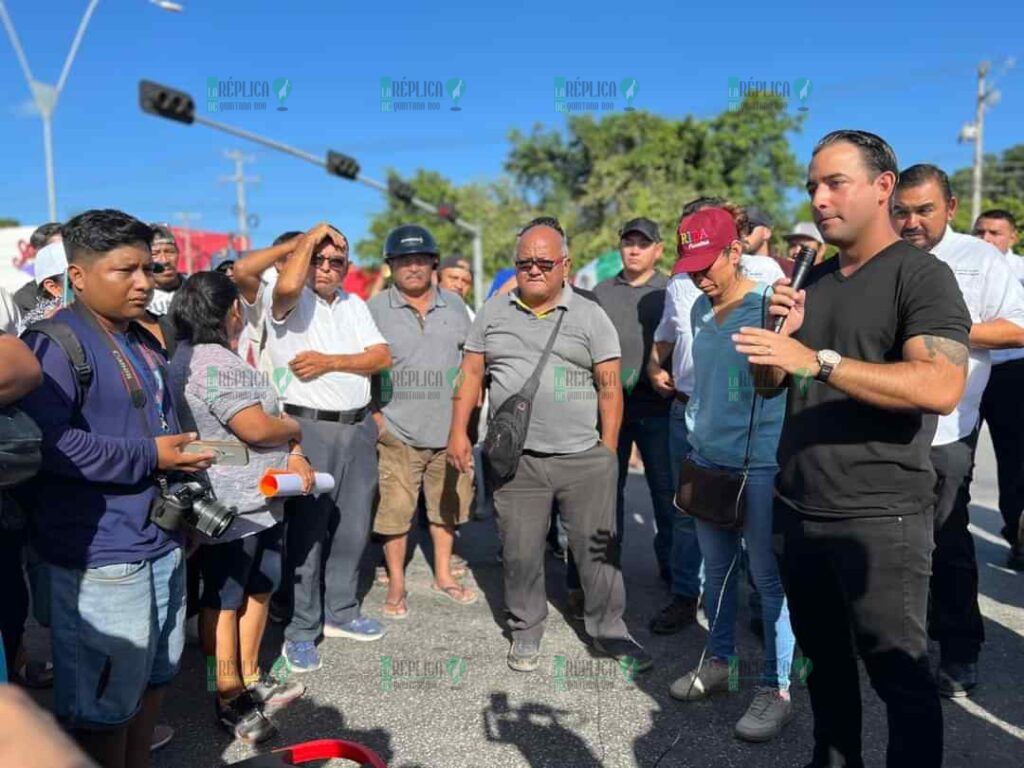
{"points": [[400, 189], [342, 165], [163, 101], [447, 211]]}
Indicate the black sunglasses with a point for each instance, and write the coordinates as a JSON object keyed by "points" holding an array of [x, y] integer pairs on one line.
{"points": [[544, 265], [336, 264]]}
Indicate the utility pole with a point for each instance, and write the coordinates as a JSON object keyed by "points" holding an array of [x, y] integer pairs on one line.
{"points": [[186, 217], [979, 156], [240, 180]]}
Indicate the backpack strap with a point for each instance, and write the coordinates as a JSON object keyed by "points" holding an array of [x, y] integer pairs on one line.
{"points": [[60, 333]]}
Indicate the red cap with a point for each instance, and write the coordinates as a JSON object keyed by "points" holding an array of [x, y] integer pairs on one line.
{"points": [[701, 237]]}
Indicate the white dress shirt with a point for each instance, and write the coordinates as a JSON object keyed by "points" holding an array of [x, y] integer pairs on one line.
{"points": [[1016, 264], [991, 293], [680, 296], [341, 327]]}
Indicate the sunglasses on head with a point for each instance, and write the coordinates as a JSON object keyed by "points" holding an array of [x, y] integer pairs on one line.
{"points": [[336, 264], [544, 265]]}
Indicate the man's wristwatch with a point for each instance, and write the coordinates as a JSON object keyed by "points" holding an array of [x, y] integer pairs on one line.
{"points": [[828, 359]]}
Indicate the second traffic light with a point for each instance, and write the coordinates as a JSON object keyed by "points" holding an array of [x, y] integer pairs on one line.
{"points": [[342, 165], [164, 101], [400, 189]]}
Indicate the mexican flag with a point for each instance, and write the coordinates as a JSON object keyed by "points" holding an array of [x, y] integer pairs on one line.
{"points": [[608, 264]]}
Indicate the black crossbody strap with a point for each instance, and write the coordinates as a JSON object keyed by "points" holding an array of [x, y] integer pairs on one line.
{"points": [[755, 398], [128, 375], [530, 387]]}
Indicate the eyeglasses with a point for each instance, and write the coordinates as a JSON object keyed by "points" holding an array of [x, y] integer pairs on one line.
{"points": [[336, 264], [544, 265]]}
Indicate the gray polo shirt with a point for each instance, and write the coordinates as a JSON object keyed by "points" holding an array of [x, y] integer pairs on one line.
{"points": [[635, 311], [512, 338], [415, 394]]}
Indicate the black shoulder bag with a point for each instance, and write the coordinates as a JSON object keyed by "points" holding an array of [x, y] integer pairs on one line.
{"points": [[506, 431], [717, 496]]}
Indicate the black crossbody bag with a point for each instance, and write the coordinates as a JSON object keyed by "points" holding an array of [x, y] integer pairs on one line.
{"points": [[717, 496], [506, 431]]}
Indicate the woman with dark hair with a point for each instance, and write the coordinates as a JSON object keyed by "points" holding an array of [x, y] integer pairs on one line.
{"points": [[229, 400]]}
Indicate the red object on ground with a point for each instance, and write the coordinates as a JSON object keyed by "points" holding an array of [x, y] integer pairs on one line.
{"points": [[325, 749]]}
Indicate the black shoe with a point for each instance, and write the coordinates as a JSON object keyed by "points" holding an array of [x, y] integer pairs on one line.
{"points": [[244, 719], [957, 679], [1015, 561], [675, 617], [626, 651], [524, 655]]}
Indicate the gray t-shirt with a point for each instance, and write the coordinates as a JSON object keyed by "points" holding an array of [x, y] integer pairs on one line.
{"points": [[512, 338], [211, 385], [415, 394]]}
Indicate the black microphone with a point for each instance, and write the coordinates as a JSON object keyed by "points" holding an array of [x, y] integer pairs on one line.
{"points": [[801, 268]]}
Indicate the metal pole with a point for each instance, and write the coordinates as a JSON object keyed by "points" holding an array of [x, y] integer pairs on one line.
{"points": [[51, 187], [979, 155]]}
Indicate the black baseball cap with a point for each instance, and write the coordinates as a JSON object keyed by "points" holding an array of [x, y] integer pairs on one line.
{"points": [[455, 261], [645, 227], [757, 218]]}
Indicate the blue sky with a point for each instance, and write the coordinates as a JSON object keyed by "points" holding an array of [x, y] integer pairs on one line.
{"points": [[906, 74]]}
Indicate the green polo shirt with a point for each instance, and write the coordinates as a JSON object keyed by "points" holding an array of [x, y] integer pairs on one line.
{"points": [[512, 337], [415, 394]]}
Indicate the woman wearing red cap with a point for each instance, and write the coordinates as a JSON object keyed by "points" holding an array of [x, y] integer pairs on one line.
{"points": [[730, 430]]}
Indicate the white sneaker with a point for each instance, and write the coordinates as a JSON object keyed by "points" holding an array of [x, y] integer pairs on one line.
{"points": [[712, 677], [766, 716]]}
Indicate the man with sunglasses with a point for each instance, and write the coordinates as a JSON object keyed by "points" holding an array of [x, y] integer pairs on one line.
{"points": [[165, 270], [324, 346], [565, 458]]}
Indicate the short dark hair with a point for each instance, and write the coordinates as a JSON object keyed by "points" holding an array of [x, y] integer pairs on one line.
{"points": [[922, 173], [544, 221], [1000, 213], [876, 153], [286, 236], [43, 233], [200, 306], [100, 231], [738, 212], [162, 232]]}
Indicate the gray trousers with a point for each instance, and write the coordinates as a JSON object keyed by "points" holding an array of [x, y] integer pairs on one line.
{"points": [[326, 534], [584, 485]]}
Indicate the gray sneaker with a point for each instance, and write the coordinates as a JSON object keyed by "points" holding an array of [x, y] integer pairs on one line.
{"points": [[712, 677], [274, 694], [524, 655], [766, 716]]}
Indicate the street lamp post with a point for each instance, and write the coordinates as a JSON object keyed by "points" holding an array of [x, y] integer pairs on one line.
{"points": [[179, 106], [46, 96]]}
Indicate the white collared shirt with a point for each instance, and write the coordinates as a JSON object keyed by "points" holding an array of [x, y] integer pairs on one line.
{"points": [[341, 327], [1016, 264], [680, 295], [990, 292]]}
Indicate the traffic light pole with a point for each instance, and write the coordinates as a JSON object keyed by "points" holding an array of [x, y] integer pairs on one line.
{"points": [[475, 229]]}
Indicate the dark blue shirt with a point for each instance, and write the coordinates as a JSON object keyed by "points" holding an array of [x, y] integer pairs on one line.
{"points": [[90, 502]]}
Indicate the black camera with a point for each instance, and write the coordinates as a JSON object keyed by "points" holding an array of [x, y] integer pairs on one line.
{"points": [[190, 501]]}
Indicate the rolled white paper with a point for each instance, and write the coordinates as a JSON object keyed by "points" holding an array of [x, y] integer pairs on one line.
{"points": [[280, 484]]}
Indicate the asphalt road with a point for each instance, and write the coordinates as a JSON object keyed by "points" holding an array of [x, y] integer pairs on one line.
{"points": [[436, 690]]}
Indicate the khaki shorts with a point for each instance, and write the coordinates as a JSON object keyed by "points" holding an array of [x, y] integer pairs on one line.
{"points": [[404, 470]]}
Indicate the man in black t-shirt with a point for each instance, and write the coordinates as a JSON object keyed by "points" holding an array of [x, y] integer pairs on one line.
{"points": [[872, 350]]}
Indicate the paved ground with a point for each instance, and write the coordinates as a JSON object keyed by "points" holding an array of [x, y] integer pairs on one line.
{"points": [[449, 701]]}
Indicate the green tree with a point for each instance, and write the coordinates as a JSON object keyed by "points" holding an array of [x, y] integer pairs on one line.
{"points": [[1002, 186], [4, 222]]}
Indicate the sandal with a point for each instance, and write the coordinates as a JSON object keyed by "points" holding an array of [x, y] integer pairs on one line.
{"points": [[457, 566], [457, 593], [380, 576], [398, 609]]}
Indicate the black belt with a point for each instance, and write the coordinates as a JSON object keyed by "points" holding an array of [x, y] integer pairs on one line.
{"points": [[315, 414]]}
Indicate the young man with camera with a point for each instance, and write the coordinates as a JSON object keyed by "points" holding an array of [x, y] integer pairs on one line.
{"points": [[116, 579]]}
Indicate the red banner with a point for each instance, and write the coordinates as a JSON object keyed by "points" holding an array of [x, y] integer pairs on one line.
{"points": [[197, 248]]}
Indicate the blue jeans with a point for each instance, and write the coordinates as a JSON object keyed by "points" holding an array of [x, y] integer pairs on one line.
{"points": [[685, 554], [651, 435], [721, 548], [116, 630]]}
